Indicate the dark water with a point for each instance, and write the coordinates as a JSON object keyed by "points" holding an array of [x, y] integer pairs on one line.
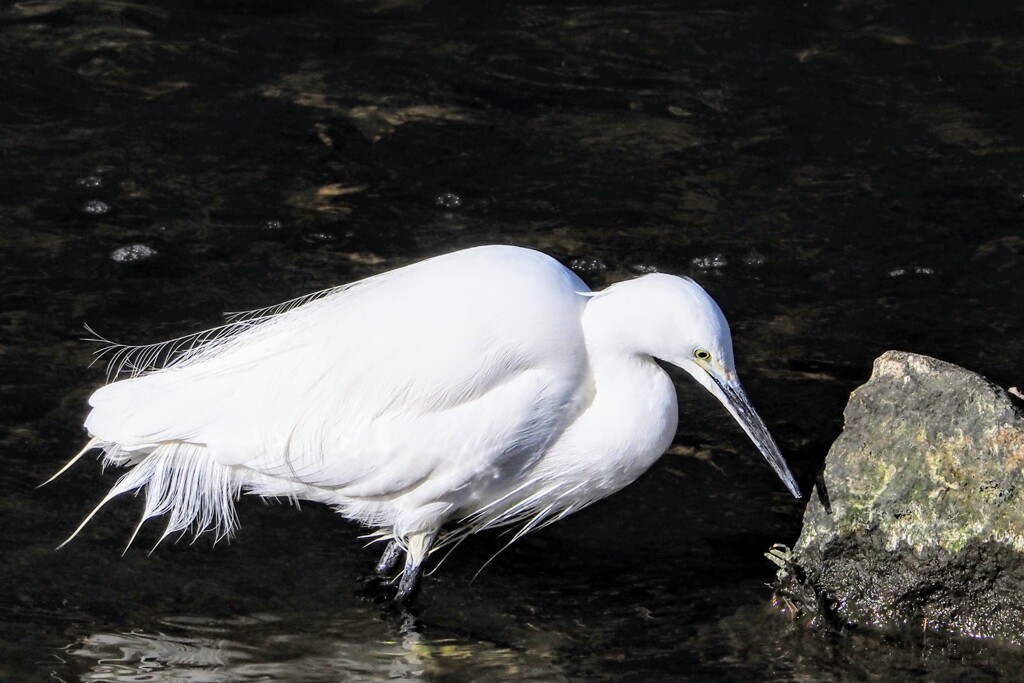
{"points": [[844, 177]]}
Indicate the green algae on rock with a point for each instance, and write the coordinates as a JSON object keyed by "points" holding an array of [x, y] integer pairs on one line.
{"points": [[918, 518]]}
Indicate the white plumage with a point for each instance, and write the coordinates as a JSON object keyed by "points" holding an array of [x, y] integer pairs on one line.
{"points": [[476, 389]]}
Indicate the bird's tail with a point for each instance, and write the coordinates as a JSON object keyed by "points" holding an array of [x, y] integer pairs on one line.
{"points": [[181, 480]]}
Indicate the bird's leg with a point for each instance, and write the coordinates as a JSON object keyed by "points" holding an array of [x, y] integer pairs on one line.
{"points": [[389, 558], [417, 549]]}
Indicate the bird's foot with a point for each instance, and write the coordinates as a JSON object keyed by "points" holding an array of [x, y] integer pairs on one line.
{"points": [[418, 547], [408, 586], [390, 557]]}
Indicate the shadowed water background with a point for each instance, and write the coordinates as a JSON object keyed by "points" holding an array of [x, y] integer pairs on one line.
{"points": [[844, 178]]}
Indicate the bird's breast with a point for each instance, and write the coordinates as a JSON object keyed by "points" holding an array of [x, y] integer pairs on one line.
{"points": [[629, 424]]}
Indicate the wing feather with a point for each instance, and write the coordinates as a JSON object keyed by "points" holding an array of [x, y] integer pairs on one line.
{"points": [[459, 367]]}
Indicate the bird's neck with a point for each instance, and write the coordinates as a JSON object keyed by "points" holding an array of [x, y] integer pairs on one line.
{"points": [[633, 412], [613, 325]]}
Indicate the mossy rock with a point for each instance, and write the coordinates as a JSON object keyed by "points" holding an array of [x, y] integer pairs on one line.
{"points": [[918, 519]]}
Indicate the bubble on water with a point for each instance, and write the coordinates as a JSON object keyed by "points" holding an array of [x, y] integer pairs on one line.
{"points": [[90, 182], [644, 269], [587, 265], [753, 260], [712, 262], [448, 200], [132, 253], [95, 207], [319, 237], [272, 225], [912, 270]]}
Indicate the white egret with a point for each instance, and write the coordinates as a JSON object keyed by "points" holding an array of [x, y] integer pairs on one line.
{"points": [[482, 388]]}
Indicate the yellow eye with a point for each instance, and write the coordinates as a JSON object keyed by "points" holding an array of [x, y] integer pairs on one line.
{"points": [[701, 354]]}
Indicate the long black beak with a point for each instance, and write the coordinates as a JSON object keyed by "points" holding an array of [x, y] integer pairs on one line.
{"points": [[736, 402]]}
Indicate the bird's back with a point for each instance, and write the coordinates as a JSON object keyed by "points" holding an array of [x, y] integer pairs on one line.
{"points": [[447, 367]]}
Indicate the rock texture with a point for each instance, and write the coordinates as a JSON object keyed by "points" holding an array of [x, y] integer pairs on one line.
{"points": [[918, 519]]}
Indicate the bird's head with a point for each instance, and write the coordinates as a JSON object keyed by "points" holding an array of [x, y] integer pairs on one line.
{"points": [[674, 320]]}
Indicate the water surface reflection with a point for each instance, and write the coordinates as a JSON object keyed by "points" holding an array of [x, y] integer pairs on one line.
{"points": [[300, 648]]}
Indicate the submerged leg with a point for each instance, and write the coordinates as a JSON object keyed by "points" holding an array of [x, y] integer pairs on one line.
{"points": [[418, 547], [389, 558]]}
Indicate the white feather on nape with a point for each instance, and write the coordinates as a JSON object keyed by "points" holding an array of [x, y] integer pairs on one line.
{"points": [[180, 480]]}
